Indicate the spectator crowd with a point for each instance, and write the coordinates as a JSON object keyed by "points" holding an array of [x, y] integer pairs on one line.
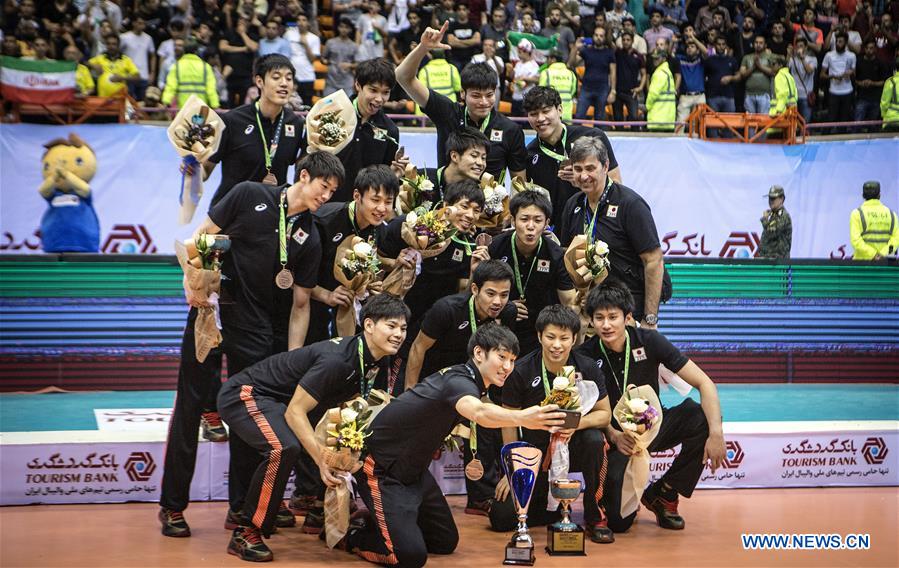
{"points": [[609, 59]]}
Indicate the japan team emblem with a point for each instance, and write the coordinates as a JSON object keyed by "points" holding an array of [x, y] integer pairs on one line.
{"points": [[496, 135], [640, 354], [612, 212]]}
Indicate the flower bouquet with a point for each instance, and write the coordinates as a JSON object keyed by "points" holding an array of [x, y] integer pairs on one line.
{"points": [[200, 259], [565, 395], [519, 184], [639, 413], [416, 190], [428, 232], [496, 204], [331, 123], [356, 265], [343, 431], [587, 263], [196, 133], [575, 397]]}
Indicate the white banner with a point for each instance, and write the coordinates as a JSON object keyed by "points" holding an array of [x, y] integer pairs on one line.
{"points": [[706, 197], [117, 471]]}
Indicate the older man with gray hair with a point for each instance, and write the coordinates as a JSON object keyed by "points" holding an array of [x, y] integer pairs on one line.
{"points": [[608, 211]]}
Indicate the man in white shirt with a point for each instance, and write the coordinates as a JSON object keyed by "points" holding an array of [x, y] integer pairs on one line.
{"points": [[178, 30], [138, 45], [839, 67], [629, 25], [305, 48]]}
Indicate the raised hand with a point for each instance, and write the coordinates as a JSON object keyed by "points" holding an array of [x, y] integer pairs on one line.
{"points": [[433, 39]]}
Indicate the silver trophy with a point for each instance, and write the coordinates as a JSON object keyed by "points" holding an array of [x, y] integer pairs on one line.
{"points": [[520, 461]]}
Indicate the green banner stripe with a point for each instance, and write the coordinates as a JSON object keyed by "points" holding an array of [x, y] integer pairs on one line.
{"points": [[47, 66]]}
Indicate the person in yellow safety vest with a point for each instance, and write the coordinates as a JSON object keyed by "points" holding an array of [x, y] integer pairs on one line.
{"points": [[873, 228], [661, 101], [558, 76], [785, 94], [188, 76], [889, 102], [440, 75]]}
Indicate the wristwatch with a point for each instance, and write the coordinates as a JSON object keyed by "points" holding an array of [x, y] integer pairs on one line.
{"points": [[651, 319]]}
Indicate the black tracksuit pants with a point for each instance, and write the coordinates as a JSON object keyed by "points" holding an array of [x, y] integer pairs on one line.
{"points": [[244, 349], [259, 424], [683, 424], [587, 451], [198, 387], [410, 520]]}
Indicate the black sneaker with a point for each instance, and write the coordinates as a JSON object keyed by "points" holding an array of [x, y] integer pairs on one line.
{"points": [[246, 543], [314, 521], [300, 504], [173, 523], [234, 520], [285, 517], [479, 507], [212, 427], [600, 532], [358, 521], [664, 506]]}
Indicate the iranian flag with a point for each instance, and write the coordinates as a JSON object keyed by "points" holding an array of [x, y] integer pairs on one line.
{"points": [[40, 82], [542, 44]]}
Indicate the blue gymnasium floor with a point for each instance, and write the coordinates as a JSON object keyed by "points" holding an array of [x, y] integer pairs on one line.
{"points": [[740, 403]]}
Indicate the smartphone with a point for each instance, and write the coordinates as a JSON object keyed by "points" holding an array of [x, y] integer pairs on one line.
{"points": [[572, 419], [588, 41], [401, 152]]}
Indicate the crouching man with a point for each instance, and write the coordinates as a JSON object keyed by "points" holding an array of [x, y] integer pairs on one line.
{"points": [[631, 356], [529, 384], [273, 404]]}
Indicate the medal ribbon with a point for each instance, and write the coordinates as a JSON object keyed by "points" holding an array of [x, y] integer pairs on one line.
{"points": [[590, 229], [552, 153], [473, 439], [364, 388], [482, 127], [627, 361], [284, 229], [518, 284], [545, 380], [465, 243], [269, 151]]}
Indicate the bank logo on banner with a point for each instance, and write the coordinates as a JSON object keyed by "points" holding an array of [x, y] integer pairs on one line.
{"points": [[875, 451], [81, 473], [133, 419], [129, 239], [739, 244], [733, 455], [140, 466]]}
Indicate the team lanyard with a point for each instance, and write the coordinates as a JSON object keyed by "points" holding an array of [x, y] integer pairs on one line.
{"points": [[545, 380], [284, 229], [552, 153], [356, 230], [515, 268], [269, 151], [464, 243], [483, 127], [590, 229], [627, 361], [364, 388]]}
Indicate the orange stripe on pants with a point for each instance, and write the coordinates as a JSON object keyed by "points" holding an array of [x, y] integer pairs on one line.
{"points": [[602, 478], [390, 558], [274, 457]]}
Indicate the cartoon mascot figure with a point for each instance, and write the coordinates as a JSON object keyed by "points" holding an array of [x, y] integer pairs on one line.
{"points": [[69, 224]]}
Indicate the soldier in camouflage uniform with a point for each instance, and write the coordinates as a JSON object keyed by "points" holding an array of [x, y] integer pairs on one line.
{"points": [[777, 227]]}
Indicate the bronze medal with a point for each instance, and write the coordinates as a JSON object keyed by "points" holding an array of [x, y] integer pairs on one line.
{"points": [[483, 240], [474, 470], [284, 279], [270, 179]]}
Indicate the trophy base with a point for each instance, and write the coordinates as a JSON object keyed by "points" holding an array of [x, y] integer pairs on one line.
{"points": [[519, 556], [565, 540]]}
